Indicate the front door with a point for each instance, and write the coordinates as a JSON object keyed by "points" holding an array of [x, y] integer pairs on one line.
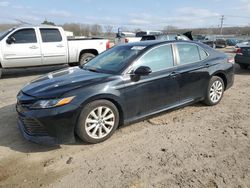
{"points": [[154, 92], [25, 50]]}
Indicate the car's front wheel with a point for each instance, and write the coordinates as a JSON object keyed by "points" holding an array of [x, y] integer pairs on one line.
{"points": [[98, 121], [215, 91]]}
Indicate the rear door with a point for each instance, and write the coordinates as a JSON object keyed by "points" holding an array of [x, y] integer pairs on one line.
{"points": [[193, 70], [24, 52], [54, 47]]}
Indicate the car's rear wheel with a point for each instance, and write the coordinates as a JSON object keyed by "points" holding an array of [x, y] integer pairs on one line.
{"points": [[86, 57], [98, 121], [1, 70], [243, 66], [215, 91]]}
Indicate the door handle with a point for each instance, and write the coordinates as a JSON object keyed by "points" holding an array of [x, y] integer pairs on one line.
{"points": [[174, 74], [207, 65], [60, 46], [33, 47]]}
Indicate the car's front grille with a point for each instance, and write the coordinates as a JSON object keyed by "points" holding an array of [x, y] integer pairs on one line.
{"points": [[32, 127]]}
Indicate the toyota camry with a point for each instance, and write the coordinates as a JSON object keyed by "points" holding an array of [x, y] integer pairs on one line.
{"points": [[126, 83]]}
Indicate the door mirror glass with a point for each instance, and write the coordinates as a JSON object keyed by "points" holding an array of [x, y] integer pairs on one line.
{"points": [[143, 71], [10, 40]]}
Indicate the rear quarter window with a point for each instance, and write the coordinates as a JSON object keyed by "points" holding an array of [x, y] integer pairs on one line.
{"points": [[203, 54]]}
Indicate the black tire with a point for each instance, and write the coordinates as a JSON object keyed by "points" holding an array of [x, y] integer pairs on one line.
{"points": [[1, 71], [208, 99], [86, 111], [85, 58], [243, 66]]}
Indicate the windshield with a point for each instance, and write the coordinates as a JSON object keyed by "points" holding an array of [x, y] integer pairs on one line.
{"points": [[113, 60], [4, 34]]}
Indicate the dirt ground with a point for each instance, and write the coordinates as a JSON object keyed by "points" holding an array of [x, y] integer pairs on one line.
{"points": [[196, 146]]}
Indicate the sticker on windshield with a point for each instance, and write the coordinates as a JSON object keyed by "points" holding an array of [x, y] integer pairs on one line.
{"points": [[138, 47]]}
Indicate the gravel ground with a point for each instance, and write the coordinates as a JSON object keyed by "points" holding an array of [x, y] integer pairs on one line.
{"points": [[196, 146]]}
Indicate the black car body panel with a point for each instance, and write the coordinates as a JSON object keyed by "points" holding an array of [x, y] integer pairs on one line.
{"points": [[135, 99], [244, 56]]}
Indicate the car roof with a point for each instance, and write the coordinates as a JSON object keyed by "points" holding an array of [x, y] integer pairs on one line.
{"points": [[152, 43]]}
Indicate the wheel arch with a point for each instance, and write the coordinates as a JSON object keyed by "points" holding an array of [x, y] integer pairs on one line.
{"points": [[222, 75], [91, 51], [111, 98]]}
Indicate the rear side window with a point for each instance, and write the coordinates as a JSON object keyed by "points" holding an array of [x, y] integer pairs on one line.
{"points": [[157, 59], [51, 35], [25, 36], [188, 53]]}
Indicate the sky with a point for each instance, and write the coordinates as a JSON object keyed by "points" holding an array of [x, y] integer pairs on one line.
{"points": [[144, 14]]}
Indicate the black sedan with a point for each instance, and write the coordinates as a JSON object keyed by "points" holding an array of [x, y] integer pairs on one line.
{"points": [[242, 56], [126, 83]]}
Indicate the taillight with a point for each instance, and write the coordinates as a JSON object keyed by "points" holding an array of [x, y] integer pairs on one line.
{"points": [[126, 40], [239, 51], [230, 60], [107, 44]]}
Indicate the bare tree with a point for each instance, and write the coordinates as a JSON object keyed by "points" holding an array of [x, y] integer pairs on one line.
{"points": [[96, 30], [169, 29], [108, 29]]}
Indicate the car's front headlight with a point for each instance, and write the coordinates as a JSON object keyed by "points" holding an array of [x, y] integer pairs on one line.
{"points": [[50, 103]]}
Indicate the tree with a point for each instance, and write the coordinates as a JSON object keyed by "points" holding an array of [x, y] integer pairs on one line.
{"points": [[108, 29], [46, 22], [96, 30], [169, 29]]}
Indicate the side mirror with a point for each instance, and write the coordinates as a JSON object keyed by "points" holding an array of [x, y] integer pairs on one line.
{"points": [[142, 71], [10, 40]]}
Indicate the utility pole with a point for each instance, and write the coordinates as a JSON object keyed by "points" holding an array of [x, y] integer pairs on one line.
{"points": [[221, 24]]}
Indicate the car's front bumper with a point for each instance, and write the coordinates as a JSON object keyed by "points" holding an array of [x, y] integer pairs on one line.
{"points": [[48, 126]]}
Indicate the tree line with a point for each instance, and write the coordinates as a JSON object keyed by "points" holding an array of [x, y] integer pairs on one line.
{"points": [[97, 30]]}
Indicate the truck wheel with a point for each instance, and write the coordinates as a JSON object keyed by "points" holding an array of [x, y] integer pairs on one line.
{"points": [[215, 91], [85, 58], [243, 66], [98, 121]]}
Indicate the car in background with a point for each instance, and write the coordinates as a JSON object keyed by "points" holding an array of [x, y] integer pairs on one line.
{"points": [[46, 45], [148, 32], [211, 40], [125, 84], [126, 37], [165, 37], [243, 43], [220, 43], [205, 39], [242, 56], [232, 42]]}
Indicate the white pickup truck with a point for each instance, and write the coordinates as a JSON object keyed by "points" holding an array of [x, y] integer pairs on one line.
{"points": [[46, 45]]}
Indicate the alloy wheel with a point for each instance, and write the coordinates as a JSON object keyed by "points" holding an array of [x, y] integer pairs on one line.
{"points": [[100, 122], [216, 91]]}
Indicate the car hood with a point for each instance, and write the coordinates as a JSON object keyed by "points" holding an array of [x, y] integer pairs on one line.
{"points": [[55, 84]]}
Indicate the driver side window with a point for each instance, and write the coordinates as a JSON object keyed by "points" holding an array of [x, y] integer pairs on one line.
{"points": [[157, 59], [24, 36]]}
